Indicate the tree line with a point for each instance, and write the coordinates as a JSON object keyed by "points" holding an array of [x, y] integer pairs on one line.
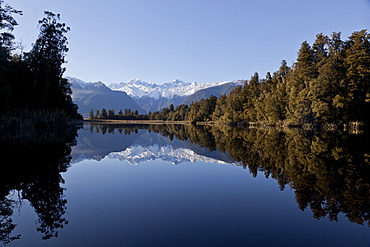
{"points": [[328, 84], [33, 81], [127, 114]]}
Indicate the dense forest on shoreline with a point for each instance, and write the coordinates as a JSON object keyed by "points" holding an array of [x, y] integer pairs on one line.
{"points": [[33, 91], [328, 85]]}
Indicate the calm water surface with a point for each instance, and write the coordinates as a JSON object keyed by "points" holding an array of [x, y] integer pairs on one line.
{"points": [[186, 186]]}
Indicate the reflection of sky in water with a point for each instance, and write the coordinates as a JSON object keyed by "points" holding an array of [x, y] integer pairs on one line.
{"points": [[112, 203], [194, 203]]}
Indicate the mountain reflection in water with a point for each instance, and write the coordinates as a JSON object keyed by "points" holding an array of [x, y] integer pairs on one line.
{"points": [[139, 145], [328, 171]]}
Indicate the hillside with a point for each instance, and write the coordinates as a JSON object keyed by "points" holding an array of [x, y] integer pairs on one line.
{"points": [[97, 96], [215, 91]]}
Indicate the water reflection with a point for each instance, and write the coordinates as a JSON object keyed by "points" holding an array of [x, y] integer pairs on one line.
{"points": [[35, 161], [329, 171], [140, 143]]}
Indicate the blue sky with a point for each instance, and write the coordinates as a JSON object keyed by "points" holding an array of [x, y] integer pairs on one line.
{"points": [[192, 40]]}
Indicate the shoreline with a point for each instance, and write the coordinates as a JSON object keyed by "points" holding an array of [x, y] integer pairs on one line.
{"points": [[113, 121], [353, 127]]}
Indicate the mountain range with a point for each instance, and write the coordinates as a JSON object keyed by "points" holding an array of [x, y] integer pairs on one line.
{"points": [[141, 146], [97, 95], [142, 96], [138, 89]]}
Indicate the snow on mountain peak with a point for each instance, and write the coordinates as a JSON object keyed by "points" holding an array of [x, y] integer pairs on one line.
{"points": [[77, 82], [138, 154], [137, 88]]}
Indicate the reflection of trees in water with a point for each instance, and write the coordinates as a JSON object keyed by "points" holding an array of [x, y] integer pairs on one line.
{"points": [[329, 171], [6, 222], [36, 160]]}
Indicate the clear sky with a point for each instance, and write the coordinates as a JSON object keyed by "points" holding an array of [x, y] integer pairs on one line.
{"points": [[192, 40]]}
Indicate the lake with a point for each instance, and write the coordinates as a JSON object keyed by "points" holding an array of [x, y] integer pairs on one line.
{"points": [[180, 185]]}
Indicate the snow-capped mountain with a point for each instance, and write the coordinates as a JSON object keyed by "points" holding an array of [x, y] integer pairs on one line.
{"points": [[144, 96], [141, 146], [138, 154], [96, 95], [137, 88]]}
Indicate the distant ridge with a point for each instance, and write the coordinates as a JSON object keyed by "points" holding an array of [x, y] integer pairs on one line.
{"points": [[143, 96], [96, 95], [215, 91], [153, 97], [137, 88]]}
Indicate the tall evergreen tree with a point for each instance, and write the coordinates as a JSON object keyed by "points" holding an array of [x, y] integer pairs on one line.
{"points": [[7, 25], [357, 61], [91, 114], [104, 114], [326, 88], [299, 105], [50, 89], [320, 50], [250, 96]]}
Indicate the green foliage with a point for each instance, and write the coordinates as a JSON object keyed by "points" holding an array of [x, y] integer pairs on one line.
{"points": [[110, 114], [7, 24], [202, 110], [328, 84], [33, 81]]}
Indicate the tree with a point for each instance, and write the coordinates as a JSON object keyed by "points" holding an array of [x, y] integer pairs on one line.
{"points": [[234, 106], [250, 96], [7, 24], [219, 111], [320, 50], [45, 60], [325, 90], [104, 114], [357, 61], [299, 104], [111, 114], [91, 114]]}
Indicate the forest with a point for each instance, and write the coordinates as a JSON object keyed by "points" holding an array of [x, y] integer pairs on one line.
{"points": [[33, 91], [328, 85]]}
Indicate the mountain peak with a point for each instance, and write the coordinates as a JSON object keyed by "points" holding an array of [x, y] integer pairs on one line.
{"points": [[96, 95], [137, 88]]}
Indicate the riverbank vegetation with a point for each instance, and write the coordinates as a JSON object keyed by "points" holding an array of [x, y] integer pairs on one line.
{"points": [[33, 91], [328, 87], [329, 84], [128, 114]]}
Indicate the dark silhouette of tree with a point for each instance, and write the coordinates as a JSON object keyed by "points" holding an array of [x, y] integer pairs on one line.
{"points": [[7, 24], [104, 114], [32, 84], [36, 177]]}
